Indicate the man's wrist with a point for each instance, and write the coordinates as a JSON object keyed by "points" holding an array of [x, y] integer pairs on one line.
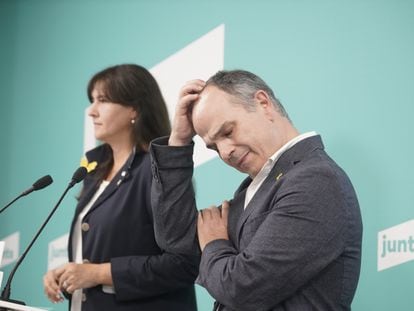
{"points": [[176, 142]]}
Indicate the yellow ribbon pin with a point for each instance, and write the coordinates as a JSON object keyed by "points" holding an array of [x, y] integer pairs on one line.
{"points": [[89, 166]]}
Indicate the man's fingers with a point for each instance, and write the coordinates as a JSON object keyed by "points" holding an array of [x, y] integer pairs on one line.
{"points": [[200, 218], [225, 210], [185, 103], [192, 87], [210, 213], [214, 212]]}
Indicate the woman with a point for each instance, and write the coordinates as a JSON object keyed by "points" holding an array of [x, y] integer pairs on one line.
{"points": [[114, 261]]}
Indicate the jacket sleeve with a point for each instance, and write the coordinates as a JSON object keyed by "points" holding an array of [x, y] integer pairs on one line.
{"points": [[138, 277], [173, 199], [158, 272], [303, 231]]}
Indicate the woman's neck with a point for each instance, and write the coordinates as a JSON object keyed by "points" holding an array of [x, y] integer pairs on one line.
{"points": [[120, 156]]}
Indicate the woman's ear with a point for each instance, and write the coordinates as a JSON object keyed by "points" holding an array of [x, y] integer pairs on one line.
{"points": [[134, 114]]}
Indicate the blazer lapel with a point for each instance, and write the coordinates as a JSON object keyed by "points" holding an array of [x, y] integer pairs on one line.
{"points": [[256, 203], [118, 179], [235, 212], [88, 192], [286, 162], [109, 190]]}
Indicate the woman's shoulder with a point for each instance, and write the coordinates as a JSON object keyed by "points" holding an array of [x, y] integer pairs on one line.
{"points": [[142, 161], [99, 153]]}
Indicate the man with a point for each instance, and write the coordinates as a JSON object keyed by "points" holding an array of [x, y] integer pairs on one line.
{"points": [[290, 239]]}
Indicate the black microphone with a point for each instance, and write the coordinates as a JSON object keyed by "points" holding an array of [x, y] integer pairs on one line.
{"points": [[39, 184], [78, 176]]}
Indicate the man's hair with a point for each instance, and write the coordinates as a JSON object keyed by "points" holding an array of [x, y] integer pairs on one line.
{"points": [[243, 85]]}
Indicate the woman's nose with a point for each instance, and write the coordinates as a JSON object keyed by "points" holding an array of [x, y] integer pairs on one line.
{"points": [[92, 110]]}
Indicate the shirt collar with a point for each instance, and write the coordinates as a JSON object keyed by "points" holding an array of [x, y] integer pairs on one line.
{"points": [[290, 144], [273, 159]]}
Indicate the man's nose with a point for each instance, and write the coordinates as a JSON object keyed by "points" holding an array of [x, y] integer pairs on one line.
{"points": [[226, 151]]}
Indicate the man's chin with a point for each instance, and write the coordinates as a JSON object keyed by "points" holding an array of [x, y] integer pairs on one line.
{"points": [[242, 170]]}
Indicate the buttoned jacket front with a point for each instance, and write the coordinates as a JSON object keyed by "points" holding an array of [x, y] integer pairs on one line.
{"points": [[118, 229]]}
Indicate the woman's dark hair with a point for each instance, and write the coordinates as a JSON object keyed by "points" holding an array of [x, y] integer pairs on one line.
{"points": [[133, 86]]}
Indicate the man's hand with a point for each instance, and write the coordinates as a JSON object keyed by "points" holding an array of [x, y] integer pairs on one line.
{"points": [[212, 224], [182, 131]]}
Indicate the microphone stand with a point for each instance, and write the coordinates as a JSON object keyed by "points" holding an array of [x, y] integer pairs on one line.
{"points": [[39, 184], [5, 295], [4, 208]]}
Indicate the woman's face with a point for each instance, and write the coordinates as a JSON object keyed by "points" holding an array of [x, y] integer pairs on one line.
{"points": [[112, 121]]}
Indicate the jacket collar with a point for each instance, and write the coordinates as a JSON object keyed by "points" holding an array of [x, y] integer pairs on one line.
{"points": [[91, 184], [286, 162]]}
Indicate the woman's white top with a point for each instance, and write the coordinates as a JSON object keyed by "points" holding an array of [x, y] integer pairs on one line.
{"points": [[76, 302]]}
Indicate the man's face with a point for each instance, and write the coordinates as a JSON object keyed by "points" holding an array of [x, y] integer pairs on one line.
{"points": [[243, 139]]}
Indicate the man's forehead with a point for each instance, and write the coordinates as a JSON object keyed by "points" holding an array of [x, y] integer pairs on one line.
{"points": [[210, 96], [200, 104], [206, 110]]}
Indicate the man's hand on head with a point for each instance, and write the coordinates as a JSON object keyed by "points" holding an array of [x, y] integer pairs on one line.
{"points": [[182, 129]]}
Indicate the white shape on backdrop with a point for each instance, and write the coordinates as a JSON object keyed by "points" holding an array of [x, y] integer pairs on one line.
{"points": [[89, 141], [58, 252], [11, 249], [396, 245], [198, 60]]}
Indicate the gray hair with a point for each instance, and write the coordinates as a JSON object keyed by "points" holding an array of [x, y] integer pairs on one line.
{"points": [[243, 85]]}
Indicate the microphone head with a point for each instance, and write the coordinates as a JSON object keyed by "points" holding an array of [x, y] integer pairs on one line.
{"points": [[42, 182], [79, 175]]}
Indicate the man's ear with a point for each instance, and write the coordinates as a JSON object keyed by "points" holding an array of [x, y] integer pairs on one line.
{"points": [[264, 103], [262, 98]]}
